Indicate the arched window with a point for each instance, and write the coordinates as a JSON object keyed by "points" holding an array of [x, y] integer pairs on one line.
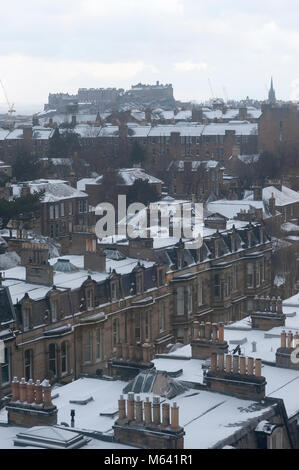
{"points": [[53, 359], [64, 357]]}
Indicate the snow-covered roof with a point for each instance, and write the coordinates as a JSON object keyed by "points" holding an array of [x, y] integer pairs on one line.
{"points": [[3, 133], [125, 176], [195, 164], [231, 208], [183, 115], [85, 131], [282, 198], [15, 278], [218, 415], [55, 190], [191, 129], [128, 176], [248, 159]]}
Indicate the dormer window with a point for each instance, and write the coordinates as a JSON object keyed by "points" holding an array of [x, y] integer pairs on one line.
{"points": [[139, 287], [90, 298], [113, 291], [249, 239], [26, 317], [54, 310], [233, 243]]}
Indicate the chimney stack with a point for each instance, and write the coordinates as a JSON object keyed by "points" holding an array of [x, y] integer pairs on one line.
{"points": [[234, 379], [148, 433], [174, 416], [165, 414], [130, 406], [121, 408], [31, 404], [209, 340], [147, 411]]}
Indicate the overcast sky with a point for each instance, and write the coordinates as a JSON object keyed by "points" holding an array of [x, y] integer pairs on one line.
{"points": [[61, 45]]}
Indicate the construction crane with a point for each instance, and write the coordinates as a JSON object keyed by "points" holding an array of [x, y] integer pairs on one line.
{"points": [[225, 94], [11, 109], [210, 84]]}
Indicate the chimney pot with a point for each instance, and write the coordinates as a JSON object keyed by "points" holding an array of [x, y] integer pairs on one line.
{"points": [[250, 365], [165, 414], [156, 411], [38, 389], [221, 361], [208, 327], [283, 340], [139, 414], [221, 332], [30, 391], [290, 339], [214, 331], [235, 364], [258, 367], [23, 390], [15, 388], [147, 411], [130, 406], [47, 393], [174, 416], [228, 364], [213, 362], [121, 408], [243, 365]]}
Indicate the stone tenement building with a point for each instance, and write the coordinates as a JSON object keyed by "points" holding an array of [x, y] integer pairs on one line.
{"points": [[279, 128], [64, 209], [164, 143], [196, 179], [76, 314]]}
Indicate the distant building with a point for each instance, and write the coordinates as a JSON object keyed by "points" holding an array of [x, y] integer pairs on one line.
{"points": [[271, 95], [64, 208]]}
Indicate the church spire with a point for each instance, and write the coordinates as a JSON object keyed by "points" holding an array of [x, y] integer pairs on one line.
{"points": [[271, 95]]}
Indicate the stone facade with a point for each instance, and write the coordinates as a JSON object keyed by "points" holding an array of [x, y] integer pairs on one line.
{"points": [[134, 315]]}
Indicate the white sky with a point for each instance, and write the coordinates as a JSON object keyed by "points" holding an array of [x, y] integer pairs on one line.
{"points": [[61, 45]]}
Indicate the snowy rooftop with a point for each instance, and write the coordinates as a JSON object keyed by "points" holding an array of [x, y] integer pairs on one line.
{"points": [[218, 415], [192, 129], [230, 209], [125, 176], [55, 190], [282, 198], [15, 278], [208, 418]]}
